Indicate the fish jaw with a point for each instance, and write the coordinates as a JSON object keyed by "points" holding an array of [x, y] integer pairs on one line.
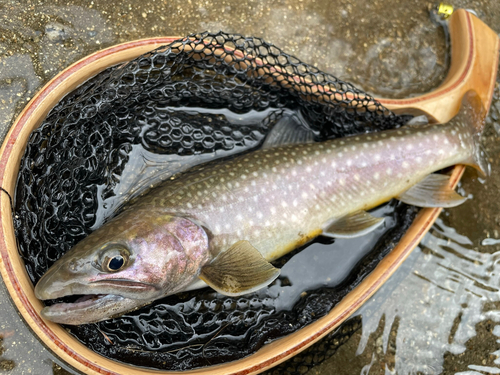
{"points": [[162, 255], [90, 309]]}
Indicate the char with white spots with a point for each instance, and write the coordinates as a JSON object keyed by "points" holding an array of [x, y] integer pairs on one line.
{"points": [[223, 222]]}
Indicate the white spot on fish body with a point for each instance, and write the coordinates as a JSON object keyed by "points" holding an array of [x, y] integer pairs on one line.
{"points": [[273, 210], [389, 171], [239, 217], [376, 176], [356, 177], [405, 164]]}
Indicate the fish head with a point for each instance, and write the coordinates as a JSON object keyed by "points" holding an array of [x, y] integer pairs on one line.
{"points": [[129, 262]]}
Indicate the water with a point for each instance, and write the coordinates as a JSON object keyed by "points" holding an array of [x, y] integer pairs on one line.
{"points": [[439, 312]]}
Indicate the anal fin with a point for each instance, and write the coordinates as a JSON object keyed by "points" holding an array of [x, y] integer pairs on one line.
{"points": [[353, 225], [241, 269], [432, 191]]}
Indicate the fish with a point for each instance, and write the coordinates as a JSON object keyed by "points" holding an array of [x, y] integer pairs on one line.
{"points": [[221, 224]]}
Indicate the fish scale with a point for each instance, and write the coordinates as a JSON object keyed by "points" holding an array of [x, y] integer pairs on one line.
{"points": [[284, 196]]}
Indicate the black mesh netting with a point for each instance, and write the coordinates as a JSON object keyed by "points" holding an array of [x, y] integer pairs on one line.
{"points": [[75, 159]]}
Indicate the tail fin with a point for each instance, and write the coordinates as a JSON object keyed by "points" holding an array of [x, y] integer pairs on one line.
{"points": [[472, 116]]}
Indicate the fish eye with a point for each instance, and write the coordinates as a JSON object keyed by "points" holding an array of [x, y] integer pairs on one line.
{"points": [[116, 263], [114, 259]]}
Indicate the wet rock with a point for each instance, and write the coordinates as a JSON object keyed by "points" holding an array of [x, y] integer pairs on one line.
{"points": [[55, 32]]}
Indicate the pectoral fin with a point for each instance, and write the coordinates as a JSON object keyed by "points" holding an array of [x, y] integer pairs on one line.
{"points": [[239, 270], [353, 225], [432, 191]]}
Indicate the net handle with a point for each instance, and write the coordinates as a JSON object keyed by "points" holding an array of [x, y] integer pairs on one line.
{"points": [[474, 64]]}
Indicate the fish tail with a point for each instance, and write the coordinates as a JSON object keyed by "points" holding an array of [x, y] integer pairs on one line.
{"points": [[471, 121]]}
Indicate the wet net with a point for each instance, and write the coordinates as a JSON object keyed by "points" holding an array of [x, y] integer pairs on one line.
{"points": [[203, 96]]}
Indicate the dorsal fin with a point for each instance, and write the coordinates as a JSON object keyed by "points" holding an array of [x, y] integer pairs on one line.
{"points": [[289, 129]]}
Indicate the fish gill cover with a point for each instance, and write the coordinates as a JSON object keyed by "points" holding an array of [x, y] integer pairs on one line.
{"points": [[200, 97]]}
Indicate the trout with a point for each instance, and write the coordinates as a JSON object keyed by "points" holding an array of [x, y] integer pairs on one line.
{"points": [[220, 224]]}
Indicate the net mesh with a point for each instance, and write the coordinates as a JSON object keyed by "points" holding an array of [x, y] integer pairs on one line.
{"points": [[75, 160]]}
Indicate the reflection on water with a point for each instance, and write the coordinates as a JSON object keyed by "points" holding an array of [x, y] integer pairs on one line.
{"points": [[451, 284]]}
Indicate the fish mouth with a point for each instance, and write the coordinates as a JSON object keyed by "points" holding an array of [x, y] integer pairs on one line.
{"points": [[94, 302], [86, 309]]}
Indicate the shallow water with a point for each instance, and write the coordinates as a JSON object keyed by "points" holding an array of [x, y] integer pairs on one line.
{"points": [[440, 312]]}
